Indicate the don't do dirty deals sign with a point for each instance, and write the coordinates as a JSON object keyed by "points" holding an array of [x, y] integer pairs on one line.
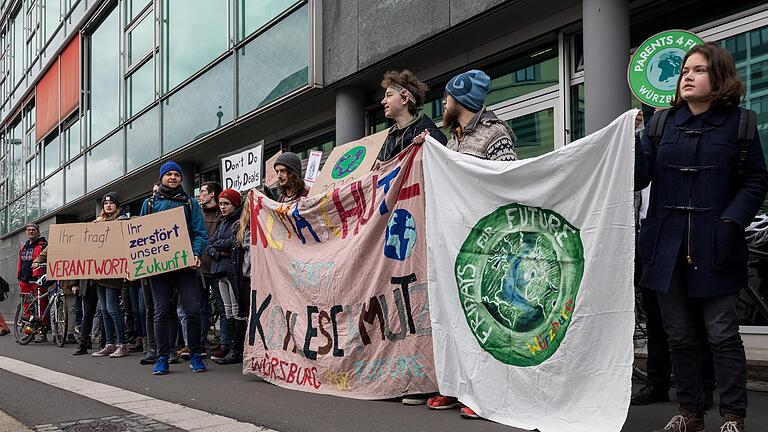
{"points": [[345, 310], [130, 249]]}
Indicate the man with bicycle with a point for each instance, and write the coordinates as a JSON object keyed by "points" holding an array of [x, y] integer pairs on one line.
{"points": [[27, 275]]}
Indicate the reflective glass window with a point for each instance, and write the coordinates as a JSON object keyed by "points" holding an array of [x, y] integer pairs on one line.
{"points": [[141, 39], [52, 193], [75, 177], [255, 13], [105, 162], [4, 221], [578, 125], [523, 75], [72, 140], [33, 204], [16, 214], [104, 113], [52, 14], [134, 7], [141, 87], [275, 63], [143, 139], [51, 154], [535, 133], [195, 33], [18, 47], [200, 107]]}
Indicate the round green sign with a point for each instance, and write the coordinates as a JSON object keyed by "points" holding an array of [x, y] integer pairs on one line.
{"points": [[348, 162], [518, 274], [653, 71]]}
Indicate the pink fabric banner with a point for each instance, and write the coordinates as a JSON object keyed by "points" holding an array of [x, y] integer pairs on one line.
{"points": [[339, 294]]}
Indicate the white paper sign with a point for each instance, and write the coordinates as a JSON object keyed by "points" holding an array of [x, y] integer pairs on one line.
{"points": [[242, 170], [313, 166]]}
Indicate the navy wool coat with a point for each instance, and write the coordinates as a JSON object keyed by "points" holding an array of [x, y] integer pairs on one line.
{"points": [[699, 204]]}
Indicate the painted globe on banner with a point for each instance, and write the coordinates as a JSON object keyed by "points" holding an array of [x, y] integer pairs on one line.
{"points": [[400, 237]]}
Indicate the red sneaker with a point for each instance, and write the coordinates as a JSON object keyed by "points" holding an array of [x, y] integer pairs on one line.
{"points": [[441, 402], [220, 353], [467, 413]]}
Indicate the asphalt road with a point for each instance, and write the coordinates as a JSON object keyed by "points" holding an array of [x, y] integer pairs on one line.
{"points": [[225, 391]]}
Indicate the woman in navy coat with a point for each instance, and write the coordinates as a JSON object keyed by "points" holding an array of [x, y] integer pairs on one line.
{"points": [[692, 243]]}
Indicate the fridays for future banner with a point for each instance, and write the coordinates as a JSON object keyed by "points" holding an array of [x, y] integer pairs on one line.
{"points": [[339, 296]]}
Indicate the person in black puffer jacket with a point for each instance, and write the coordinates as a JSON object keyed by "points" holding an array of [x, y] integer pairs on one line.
{"points": [[220, 250]]}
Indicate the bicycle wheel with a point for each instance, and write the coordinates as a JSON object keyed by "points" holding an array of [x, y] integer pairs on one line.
{"points": [[59, 321], [23, 330]]}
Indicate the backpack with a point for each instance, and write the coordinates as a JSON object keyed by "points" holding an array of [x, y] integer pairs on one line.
{"points": [[745, 137], [187, 207]]}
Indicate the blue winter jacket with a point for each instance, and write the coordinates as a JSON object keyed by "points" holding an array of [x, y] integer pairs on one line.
{"points": [[699, 203], [198, 234]]}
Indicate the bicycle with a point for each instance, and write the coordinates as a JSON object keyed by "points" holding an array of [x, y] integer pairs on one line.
{"points": [[28, 320]]}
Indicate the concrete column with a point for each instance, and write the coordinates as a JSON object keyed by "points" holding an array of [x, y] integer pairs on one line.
{"points": [[606, 55], [350, 114]]}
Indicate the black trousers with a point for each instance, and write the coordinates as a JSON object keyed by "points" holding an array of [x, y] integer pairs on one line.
{"points": [[90, 302], [150, 314], [684, 317], [243, 308]]}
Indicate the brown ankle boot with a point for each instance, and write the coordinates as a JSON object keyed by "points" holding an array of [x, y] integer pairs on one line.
{"points": [[732, 423], [686, 421]]}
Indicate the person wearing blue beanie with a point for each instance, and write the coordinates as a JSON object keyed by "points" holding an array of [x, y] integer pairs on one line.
{"points": [[170, 166], [474, 129]]}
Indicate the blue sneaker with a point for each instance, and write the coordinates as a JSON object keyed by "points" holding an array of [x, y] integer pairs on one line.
{"points": [[196, 363], [161, 366]]}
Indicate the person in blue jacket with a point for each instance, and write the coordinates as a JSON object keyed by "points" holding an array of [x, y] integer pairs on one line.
{"points": [[185, 281], [692, 245]]}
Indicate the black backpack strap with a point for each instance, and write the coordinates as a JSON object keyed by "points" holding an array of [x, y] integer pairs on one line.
{"points": [[746, 135], [151, 204], [656, 127]]}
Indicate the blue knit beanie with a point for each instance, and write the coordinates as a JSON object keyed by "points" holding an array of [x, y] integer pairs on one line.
{"points": [[170, 166], [469, 89]]}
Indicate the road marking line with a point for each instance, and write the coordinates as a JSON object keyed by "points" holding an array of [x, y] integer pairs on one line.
{"points": [[189, 419]]}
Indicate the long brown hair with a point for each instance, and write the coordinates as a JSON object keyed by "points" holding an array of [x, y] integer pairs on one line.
{"points": [[294, 184], [245, 219], [727, 89]]}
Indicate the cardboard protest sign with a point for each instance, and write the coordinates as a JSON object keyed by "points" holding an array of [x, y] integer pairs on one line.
{"points": [[130, 249], [313, 166], [339, 299], [86, 251], [157, 243], [270, 176], [241, 170], [348, 163]]}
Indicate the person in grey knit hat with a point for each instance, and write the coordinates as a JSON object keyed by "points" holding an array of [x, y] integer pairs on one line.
{"points": [[290, 182]]}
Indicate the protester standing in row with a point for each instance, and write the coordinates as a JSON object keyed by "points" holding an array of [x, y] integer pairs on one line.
{"points": [[26, 275], [403, 98], [704, 192], [477, 132], [109, 290], [219, 249], [209, 202], [241, 279], [289, 179], [171, 195]]}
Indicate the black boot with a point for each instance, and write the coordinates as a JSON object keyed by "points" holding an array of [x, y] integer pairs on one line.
{"points": [[234, 357], [81, 349]]}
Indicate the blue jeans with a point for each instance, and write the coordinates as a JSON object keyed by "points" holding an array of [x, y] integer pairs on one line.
{"points": [[109, 304], [185, 281], [136, 292]]}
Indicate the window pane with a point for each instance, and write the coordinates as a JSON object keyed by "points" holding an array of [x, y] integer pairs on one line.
{"points": [[535, 133], [141, 39], [72, 135], [18, 47], [105, 162], [4, 221], [578, 125], [195, 34], [134, 7], [275, 63], [523, 76], [143, 139], [33, 204], [52, 12], [105, 78], [75, 174], [759, 76], [141, 88], [52, 193], [51, 154], [17, 214], [202, 106], [256, 13]]}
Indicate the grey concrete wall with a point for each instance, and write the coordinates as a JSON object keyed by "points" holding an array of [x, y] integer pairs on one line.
{"points": [[359, 33]]}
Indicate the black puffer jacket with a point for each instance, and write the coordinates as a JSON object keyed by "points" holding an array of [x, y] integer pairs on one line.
{"points": [[220, 244], [399, 139]]}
